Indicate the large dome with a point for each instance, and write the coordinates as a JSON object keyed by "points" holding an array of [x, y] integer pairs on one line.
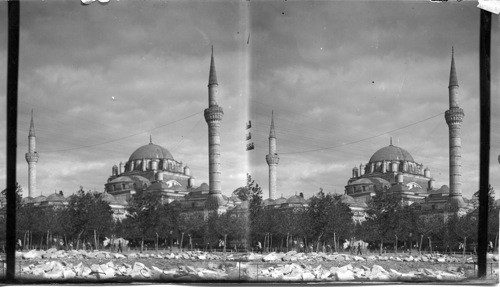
{"points": [[150, 151], [391, 153]]}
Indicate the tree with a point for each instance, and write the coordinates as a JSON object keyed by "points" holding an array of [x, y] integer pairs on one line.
{"points": [[88, 214], [382, 216], [255, 207], [19, 194], [144, 214]]}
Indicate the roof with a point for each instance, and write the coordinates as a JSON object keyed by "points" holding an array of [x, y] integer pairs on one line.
{"points": [[390, 153], [347, 199], [151, 151], [40, 198], [296, 199], [268, 201], [56, 197], [121, 179], [26, 200], [202, 187], [280, 200], [110, 199]]}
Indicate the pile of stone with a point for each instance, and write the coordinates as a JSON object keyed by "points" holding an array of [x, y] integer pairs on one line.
{"points": [[300, 272], [293, 256], [56, 270], [96, 254]]}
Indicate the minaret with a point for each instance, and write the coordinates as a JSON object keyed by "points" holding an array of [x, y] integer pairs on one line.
{"points": [[213, 117], [272, 159], [454, 117], [32, 158]]}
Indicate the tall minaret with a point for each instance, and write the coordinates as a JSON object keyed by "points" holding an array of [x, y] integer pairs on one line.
{"points": [[32, 158], [272, 159], [213, 117], [454, 117]]}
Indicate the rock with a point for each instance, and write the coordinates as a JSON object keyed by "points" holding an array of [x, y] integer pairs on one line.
{"points": [[51, 250], [441, 259], [270, 257], [32, 254], [96, 268], [446, 276], [346, 267], [254, 256], [295, 276], [38, 272], [86, 271], [100, 256], [68, 274], [119, 256], [308, 276], [132, 255], [371, 258], [344, 275], [202, 257], [52, 275], [378, 269]]}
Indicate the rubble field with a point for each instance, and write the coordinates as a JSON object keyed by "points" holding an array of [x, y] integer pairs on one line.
{"points": [[188, 266]]}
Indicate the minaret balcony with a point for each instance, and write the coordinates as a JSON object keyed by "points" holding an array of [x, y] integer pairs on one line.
{"points": [[454, 115], [272, 159], [31, 157], [213, 113]]}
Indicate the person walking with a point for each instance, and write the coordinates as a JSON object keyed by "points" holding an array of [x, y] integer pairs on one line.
{"points": [[359, 249], [120, 246]]}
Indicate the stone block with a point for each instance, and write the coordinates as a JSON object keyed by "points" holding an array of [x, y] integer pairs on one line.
{"points": [[32, 254], [53, 275], [37, 271], [270, 257], [308, 276], [119, 256], [344, 275], [68, 274]]}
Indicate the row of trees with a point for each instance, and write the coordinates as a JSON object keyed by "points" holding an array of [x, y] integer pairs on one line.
{"points": [[325, 224]]}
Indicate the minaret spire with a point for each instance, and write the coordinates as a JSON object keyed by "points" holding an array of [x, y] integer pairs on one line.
{"points": [[31, 158], [150, 139], [272, 159], [212, 77], [272, 133], [32, 125], [453, 71]]}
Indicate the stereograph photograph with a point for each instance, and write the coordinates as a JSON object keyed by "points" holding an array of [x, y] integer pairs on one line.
{"points": [[288, 142]]}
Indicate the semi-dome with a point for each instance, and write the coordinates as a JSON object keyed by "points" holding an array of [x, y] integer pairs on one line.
{"points": [[110, 199], [56, 197], [391, 152], [27, 200], [151, 151], [40, 198], [296, 199]]}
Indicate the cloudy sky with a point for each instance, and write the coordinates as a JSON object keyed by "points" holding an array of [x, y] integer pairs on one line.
{"points": [[341, 77]]}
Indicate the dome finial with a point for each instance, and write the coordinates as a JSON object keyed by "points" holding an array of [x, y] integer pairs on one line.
{"points": [[391, 141], [150, 139]]}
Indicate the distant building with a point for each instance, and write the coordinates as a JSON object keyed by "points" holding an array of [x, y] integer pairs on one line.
{"points": [[150, 168]]}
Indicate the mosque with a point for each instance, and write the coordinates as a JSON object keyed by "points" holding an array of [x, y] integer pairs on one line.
{"points": [[392, 169], [152, 168]]}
